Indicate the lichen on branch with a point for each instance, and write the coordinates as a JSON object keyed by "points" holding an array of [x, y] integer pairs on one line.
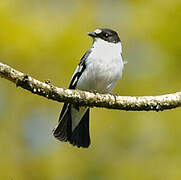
{"points": [[84, 98]]}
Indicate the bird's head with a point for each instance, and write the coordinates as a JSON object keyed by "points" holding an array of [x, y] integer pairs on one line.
{"points": [[107, 35]]}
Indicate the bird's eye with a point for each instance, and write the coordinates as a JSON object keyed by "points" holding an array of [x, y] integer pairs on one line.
{"points": [[107, 35]]}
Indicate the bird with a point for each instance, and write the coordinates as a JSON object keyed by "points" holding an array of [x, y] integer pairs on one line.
{"points": [[99, 70]]}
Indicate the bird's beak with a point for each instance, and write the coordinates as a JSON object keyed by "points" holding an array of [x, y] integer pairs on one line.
{"points": [[92, 34]]}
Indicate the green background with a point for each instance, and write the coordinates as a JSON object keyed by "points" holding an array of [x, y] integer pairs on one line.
{"points": [[46, 39]]}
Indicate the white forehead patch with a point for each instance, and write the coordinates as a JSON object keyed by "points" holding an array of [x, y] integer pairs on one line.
{"points": [[97, 31]]}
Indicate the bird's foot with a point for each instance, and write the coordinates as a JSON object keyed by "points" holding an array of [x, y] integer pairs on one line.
{"points": [[94, 91], [114, 95]]}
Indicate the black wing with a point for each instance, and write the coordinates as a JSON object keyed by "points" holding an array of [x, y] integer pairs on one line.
{"points": [[80, 136], [78, 72]]}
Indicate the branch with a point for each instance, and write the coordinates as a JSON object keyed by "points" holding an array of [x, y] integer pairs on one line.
{"points": [[84, 98]]}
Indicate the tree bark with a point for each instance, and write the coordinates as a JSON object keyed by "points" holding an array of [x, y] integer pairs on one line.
{"points": [[84, 98]]}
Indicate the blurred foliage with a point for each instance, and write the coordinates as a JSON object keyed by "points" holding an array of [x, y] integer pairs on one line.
{"points": [[46, 39]]}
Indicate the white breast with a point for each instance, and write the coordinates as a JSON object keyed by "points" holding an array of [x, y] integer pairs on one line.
{"points": [[103, 67]]}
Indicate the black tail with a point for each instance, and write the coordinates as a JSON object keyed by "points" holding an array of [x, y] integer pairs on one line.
{"points": [[80, 135], [63, 130]]}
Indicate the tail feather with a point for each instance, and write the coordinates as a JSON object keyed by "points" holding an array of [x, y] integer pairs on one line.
{"points": [[80, 135], [63, 130]]}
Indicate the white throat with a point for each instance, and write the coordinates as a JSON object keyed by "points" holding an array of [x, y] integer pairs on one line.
{"points": [[104, 46]]}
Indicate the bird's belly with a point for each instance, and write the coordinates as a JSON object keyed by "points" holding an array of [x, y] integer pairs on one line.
{"points": [[100, 76]]}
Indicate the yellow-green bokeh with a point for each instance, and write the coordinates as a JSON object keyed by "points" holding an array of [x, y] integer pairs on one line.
{"points": [[46, 39]]}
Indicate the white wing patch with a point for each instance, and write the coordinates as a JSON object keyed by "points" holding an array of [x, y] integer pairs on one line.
{"points": [[75, 81], [78, 69]]}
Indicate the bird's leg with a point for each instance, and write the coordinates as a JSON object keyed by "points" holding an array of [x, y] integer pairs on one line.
{"points": [[94, 91], [114, 95]]}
